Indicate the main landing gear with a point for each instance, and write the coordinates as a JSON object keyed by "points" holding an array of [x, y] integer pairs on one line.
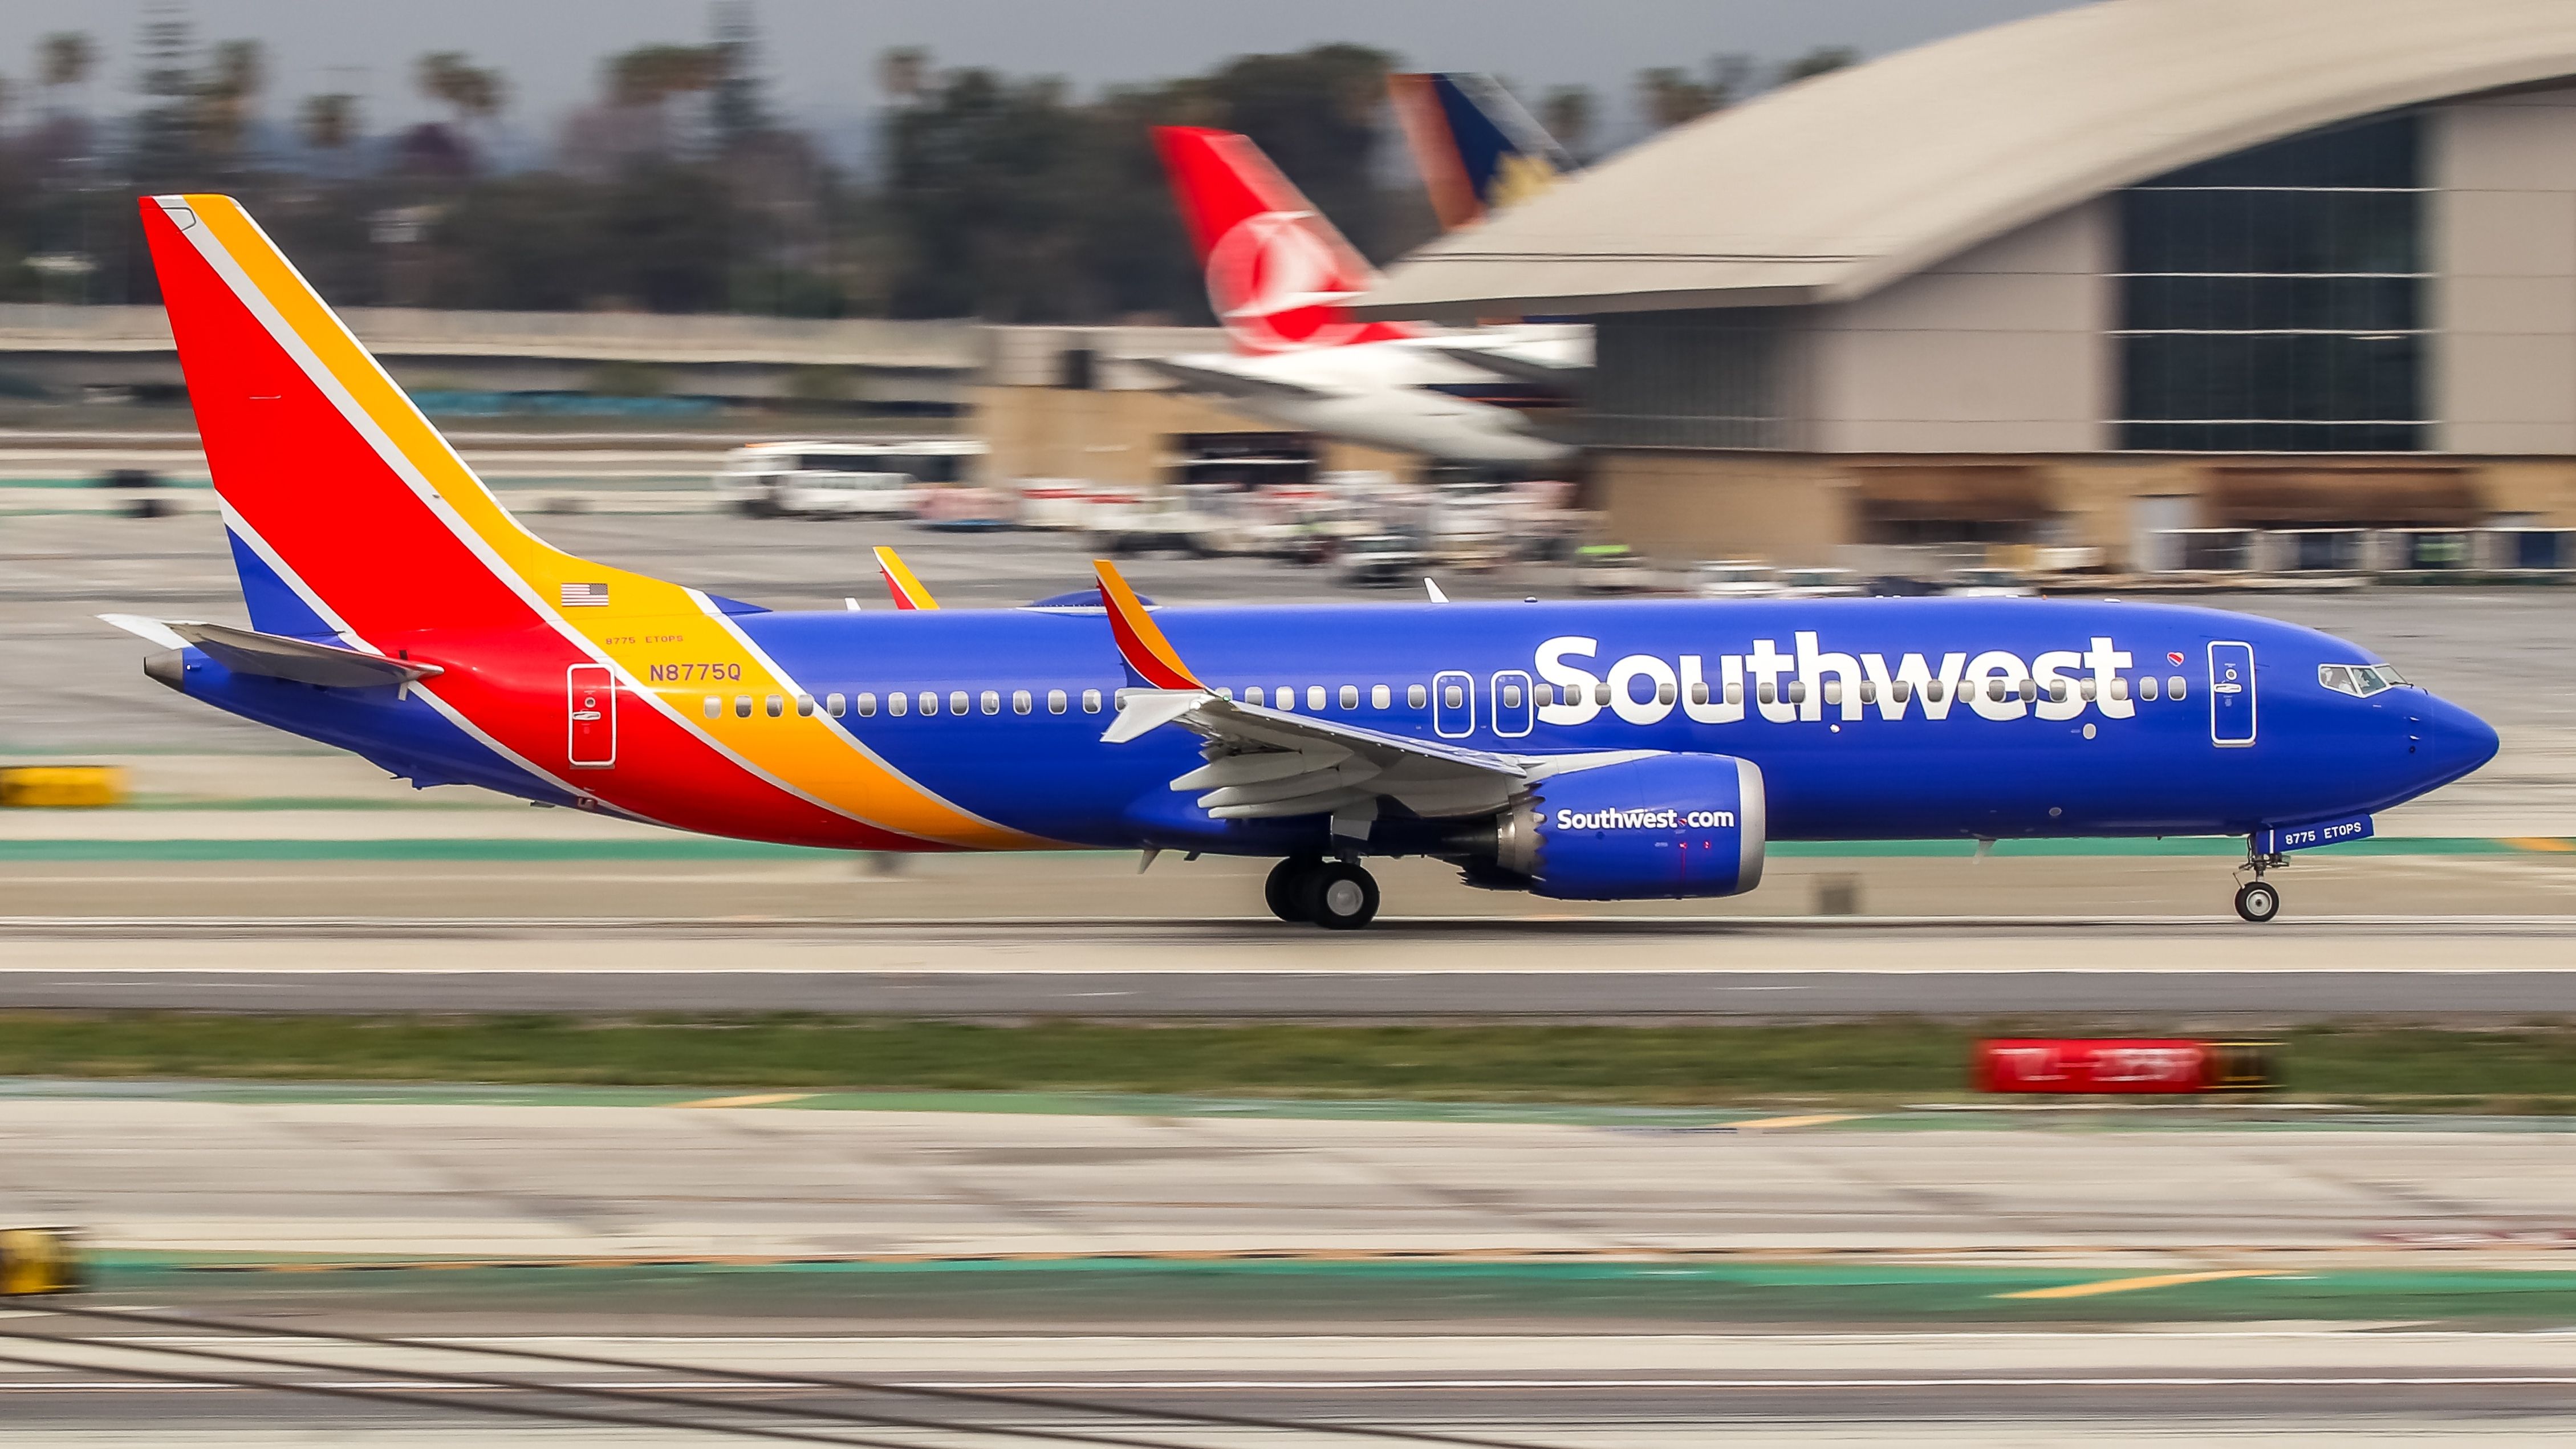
{"points": [[1335, 894], [2258, 900]]}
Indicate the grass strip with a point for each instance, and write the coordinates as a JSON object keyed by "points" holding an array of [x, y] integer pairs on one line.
{"points": [[2528, 1069]]}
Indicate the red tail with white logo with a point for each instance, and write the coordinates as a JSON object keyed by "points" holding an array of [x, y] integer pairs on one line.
{"points": [[1277, 271]]}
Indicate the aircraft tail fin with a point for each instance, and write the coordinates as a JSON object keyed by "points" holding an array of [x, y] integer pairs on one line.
{"points": [[1278, 273], [1478, 148], [349, 515]]}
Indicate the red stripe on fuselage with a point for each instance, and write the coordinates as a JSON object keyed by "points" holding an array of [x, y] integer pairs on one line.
{"points": [[315, 490]]}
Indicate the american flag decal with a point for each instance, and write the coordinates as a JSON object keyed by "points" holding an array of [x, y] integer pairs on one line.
{"points": [[585, 596]]}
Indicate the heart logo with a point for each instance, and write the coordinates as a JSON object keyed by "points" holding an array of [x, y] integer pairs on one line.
{"points": [[2173, 656]]}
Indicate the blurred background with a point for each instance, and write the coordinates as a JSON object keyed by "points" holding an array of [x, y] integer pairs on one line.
{"points": [[2268, 305]]}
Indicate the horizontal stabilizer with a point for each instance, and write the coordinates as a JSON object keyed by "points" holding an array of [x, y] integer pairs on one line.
{"points": [[277, 656], [1213, 375]]}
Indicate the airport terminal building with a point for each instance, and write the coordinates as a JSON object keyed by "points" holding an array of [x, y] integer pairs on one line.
{"points": [[2134, 267]]}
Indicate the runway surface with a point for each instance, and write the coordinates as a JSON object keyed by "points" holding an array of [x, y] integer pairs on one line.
{"points": [[751, 1175], [1648, 1390], [1605, 968]]}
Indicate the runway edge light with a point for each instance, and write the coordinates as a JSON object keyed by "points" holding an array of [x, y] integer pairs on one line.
{"points": [[39, 1261]]}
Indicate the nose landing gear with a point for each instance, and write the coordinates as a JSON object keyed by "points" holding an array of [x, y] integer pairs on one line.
{"points": [[2258, 900], [1337, 895]]}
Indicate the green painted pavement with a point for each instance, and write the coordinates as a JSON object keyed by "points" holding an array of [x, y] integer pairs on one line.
{"points": [[1694, 1287], [686, 847]]}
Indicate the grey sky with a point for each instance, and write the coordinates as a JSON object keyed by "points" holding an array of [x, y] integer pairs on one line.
{"points": [[820, 54]]}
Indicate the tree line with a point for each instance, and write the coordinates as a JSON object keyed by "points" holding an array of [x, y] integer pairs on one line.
{"points": [[677, 188]]}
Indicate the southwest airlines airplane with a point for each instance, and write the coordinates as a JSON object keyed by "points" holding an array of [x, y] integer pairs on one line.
{"points": [[1592, 751]]}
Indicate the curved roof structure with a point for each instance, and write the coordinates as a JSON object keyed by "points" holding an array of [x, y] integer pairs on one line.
{"points": [[1830, 188]]}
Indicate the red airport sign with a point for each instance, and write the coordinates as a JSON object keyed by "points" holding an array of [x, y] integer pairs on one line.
{"points": [[2133, 1065]]}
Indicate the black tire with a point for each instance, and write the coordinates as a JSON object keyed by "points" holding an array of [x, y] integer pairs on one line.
{"points": [[2257, 901], [1339, 896], [1285, 891]]}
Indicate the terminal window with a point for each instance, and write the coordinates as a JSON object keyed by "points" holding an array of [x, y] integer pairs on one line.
{"points": [[2272, 300]]}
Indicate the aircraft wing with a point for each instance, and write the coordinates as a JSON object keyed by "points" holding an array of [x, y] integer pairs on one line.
{"points": [[1519, 365], [1213, 376], [1263, 762]]}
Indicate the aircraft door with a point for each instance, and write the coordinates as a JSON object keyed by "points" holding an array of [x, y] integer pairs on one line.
{"points": [[2231, 694], [1513, 712], [1453, 704], [591, 702]]}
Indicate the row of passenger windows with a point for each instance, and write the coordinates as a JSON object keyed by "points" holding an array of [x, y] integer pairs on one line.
{"points": [[1452, 696], [899, 704]]}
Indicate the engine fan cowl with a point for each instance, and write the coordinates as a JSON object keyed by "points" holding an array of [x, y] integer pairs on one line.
{"points": [[1665, 828]]}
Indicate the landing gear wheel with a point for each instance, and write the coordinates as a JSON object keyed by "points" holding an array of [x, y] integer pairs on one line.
{"points": [[2257, 902], [1285, 891], [1339, 896]]}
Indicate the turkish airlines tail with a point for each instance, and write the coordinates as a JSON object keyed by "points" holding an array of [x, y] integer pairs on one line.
{"points": [[1277, 271]]}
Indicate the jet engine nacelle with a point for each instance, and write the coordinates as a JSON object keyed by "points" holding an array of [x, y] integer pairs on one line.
{"points": [[1659, 828]]}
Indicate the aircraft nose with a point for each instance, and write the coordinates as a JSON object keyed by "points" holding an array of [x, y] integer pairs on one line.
{"points": [[2448, 741]]}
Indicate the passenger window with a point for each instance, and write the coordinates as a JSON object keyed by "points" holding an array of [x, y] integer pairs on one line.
{"points": [[1546, 693], [1225, 692], [896, 703], [1453, 697], [2057, 691], [1932, 690], [956, 701], [992, 701], [1091, 701], [1350, 696], [1287, 696], [1699, 691], [2175, 688], [867, 705], [1601, 693], [2119, 688], [1121, 697], [1868, 692], [804, 705], [1020, 702], [2029, 690], [1797, 691], [2091, 691], [1766, 693], [1833, 691], [715, 706], [1735, 694], [742, 706], [1315, 697], [1055, 701], [1664, 692], [929, 702], [1511, 696], [1901, 691], [2147, 687], [1994, 689], [776, 706], [1415, 696], [836, 705], [1381, 697], [1252, 694]]}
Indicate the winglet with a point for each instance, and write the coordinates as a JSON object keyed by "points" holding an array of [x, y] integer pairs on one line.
{"points": [[1150, 657], [907, 590]]}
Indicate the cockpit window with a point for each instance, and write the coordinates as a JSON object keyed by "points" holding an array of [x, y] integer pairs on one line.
{"points": [[2358, 680]]}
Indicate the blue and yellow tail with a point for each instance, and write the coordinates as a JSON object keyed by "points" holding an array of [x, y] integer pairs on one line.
{"points": [[1479, 150]]}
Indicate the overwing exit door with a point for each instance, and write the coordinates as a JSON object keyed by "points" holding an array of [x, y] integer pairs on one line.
{"points": [[590, 698], [2231, 694]]}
